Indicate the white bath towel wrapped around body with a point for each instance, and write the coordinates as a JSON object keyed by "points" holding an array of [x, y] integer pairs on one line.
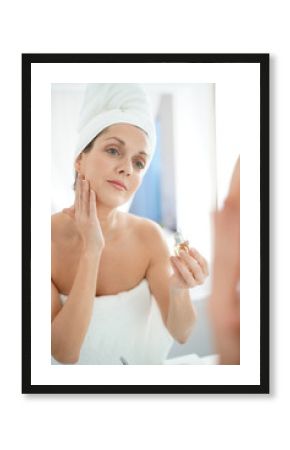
{"points": [[127, 325]]}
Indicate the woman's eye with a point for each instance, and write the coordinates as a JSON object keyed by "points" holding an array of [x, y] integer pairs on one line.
{"points": [[112, 151], [140, 165]]}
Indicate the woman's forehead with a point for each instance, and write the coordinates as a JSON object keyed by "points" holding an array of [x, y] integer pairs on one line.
{"points": [[124, 129]]}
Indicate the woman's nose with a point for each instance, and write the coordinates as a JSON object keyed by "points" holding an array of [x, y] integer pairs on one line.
{"points": [[125, 167]]}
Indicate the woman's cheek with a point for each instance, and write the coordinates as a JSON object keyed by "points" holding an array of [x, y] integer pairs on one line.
{"points": [[138, 181]]}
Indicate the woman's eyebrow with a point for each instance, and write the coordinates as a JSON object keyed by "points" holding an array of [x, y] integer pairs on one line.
{"points": [[143, 153], [124, 143], [118, 139]]}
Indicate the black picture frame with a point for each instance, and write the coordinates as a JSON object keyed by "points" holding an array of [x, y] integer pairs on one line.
{"points": [[263, 61]]}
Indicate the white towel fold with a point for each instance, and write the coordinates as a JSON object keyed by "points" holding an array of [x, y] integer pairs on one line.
{"points": [[107, 104]]}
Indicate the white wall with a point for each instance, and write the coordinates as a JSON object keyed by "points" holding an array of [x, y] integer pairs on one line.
{"points": [[194, 137], [65, 105], [231, 104]]}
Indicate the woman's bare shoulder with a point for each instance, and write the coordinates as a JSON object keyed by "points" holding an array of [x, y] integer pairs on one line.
{"points": [[61, 227], [147, 229], [57, 223]]}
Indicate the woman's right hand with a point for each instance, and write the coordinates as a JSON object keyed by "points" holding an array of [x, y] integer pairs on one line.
{"points": [[84, 214]]}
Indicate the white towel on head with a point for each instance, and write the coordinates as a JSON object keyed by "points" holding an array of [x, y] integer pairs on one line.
{"points": [[107, 104]]}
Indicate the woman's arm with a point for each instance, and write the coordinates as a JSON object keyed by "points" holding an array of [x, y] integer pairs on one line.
{"points": [[70, 323], [224, 302], [181, 315], [171, 287]]}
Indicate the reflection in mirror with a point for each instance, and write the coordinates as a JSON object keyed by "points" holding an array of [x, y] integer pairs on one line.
{"points": [[160, 313]]}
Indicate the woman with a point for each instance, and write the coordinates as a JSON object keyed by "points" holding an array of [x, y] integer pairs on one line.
{"points": [[106, 263], [224, 303]]}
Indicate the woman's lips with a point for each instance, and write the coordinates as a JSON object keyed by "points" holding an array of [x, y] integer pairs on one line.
{"points": [[118, 185]]}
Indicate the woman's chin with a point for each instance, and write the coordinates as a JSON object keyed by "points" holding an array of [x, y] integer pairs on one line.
{"points": [[112, 202]]}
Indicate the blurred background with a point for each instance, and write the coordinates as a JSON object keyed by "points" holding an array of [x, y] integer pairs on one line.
{"points": [[185, 182]]}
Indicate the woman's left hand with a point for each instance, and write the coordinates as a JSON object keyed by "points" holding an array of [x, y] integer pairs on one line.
{"points": [[190, 269]]}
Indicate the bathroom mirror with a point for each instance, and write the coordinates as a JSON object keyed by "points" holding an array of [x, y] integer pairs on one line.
{"points": [[179, 190]]}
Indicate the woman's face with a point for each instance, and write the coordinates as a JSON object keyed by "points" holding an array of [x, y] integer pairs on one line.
{"points": [[116, 163]]}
